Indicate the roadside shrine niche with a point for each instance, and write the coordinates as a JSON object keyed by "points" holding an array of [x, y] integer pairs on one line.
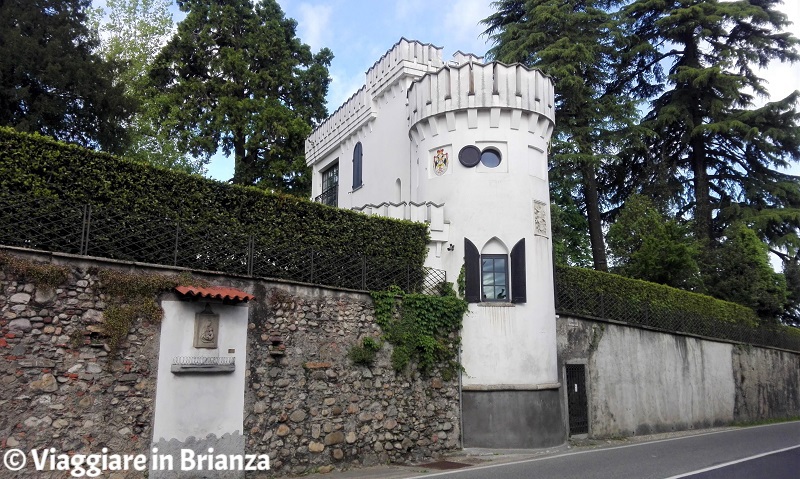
{"points": [[205, 355]]}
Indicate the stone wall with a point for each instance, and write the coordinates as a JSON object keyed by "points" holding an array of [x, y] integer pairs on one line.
{"points": [[642, 381], [311, 409], [60, 387], [308, 409]]}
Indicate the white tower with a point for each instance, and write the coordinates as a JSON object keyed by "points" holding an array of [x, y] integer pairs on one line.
{"points": [[463, 146]]}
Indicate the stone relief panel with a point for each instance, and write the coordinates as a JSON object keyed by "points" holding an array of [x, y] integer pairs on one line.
{"points": [[539, 218]]}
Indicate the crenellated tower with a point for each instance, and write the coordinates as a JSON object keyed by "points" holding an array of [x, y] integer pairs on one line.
{"points": [[462, 145]]}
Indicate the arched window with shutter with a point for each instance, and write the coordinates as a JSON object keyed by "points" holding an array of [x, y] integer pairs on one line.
{"points": [[494, 276], [358, 155]]}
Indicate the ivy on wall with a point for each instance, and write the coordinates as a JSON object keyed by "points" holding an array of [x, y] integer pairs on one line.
{"points": [[423, 329], [43, 274], [33, 166], [132, 297], [129, 296]]}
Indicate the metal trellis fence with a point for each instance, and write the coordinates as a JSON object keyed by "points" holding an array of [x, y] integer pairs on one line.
{"points": [[574, 300], [52, 225]]}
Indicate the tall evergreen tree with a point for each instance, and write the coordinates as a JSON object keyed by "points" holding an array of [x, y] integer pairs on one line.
{"points": [[722, 155], [577, 43], [51, 82], [237, 78]]}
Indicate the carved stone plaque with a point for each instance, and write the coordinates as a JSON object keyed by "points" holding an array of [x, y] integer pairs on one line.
{"points": [[206, 329], [539, 218]]}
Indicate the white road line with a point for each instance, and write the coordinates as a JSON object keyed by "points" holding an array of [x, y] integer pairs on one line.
{"points": [[720, 466], [536, 459]]}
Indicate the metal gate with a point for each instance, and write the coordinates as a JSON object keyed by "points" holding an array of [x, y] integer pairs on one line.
{"points": [[577, 404]]}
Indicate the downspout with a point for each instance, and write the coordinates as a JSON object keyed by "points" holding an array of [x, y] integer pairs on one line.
{"points": [[460, 401]]}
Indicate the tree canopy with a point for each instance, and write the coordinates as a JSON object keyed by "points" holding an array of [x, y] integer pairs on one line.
{"points": [[132, 34], [236, 78], [52, 82], [577, 43], [659, 98], [722, 150]]}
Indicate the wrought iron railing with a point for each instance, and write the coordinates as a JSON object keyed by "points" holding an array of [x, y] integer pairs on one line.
{"points": [[329, 197], [571, 299], [52, 225]]}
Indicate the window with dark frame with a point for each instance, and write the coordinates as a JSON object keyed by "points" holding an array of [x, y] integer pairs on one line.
{"points": [[358, 154], [494, 277], [330, 186]]}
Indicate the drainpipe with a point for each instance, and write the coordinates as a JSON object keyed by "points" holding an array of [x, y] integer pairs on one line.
{"points": [[460, 402]]}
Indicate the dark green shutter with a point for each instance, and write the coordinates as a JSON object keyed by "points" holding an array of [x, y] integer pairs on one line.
{"points": [[472, 272], [358, 154], [518, 293]]}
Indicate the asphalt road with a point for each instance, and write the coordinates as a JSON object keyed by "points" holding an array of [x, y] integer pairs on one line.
{"points": [[771, 451]]}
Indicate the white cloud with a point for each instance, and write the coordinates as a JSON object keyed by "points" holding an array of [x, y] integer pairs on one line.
{"points": [[462, 24], [314, 24], [343, 85]]}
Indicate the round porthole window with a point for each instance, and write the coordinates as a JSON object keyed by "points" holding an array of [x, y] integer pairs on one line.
{"points": [[469, 156], [490, 158]]}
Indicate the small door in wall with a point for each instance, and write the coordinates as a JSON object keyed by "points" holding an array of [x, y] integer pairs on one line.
{"points": [[577, 403]]}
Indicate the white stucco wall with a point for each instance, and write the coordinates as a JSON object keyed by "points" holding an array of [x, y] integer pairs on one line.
{"points": [[413, 105], [506, 345], [647, 379], [198, 405]]}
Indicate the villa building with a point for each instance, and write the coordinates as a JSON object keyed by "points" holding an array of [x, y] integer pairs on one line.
{"points": [[462, 145]]}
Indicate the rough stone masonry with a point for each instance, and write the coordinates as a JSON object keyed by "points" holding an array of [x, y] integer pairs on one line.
{"points": [[309, 408], [60, 387], [312, 409]]}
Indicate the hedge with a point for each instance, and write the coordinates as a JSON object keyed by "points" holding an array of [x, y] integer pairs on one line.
{"points": [[32, 166], [635, 294], [586, 292]]}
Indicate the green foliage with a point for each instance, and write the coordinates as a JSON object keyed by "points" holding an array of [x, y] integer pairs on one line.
{"points": [[703, 122], [364, 354], [132, 32], [791, 271], [132, 297], [738, 270], [648, 246], [636, 297], [579, 44], [44, 274], [236, 78], [33, 166], [570, 239], [462, 281], [51, 81], [423, 330]]}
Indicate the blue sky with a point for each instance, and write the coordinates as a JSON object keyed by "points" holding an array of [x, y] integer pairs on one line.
{"points": [[360, 31]]}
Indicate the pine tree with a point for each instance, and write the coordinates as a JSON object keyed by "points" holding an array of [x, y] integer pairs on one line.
{"points": [[235, 77], [51, 82], [722, 156], [577, 43]]}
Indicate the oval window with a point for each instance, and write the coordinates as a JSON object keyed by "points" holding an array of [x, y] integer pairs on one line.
{"points": [[469, 156], [490, 158]]}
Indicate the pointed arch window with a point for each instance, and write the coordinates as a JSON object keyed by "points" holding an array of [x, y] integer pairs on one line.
{"points": [[494, 277], [358, 155]]}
